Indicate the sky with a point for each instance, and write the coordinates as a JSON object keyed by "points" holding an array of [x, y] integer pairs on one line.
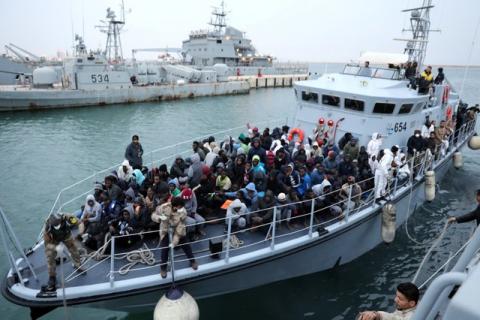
{"points": [[290, 30]]}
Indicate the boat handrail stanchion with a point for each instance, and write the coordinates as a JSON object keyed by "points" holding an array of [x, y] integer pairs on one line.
{"points": [[274, 222], [312, 211], [347, 211], [229, 233], [8, 253], [16, 243], [172, 254], [112, 261]]}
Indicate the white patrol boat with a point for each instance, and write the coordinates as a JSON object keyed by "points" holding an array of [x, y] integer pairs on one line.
{"points": [[236, 260]]}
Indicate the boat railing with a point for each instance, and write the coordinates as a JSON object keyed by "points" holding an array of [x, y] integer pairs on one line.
{"points": [[273, 237], [72, 194], [372, 72]]}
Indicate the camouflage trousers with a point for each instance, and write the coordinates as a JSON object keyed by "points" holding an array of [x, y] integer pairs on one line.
{"points": [[51, 254]]}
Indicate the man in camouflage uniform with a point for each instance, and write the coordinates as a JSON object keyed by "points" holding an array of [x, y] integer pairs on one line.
{"points": [[57, 230]]}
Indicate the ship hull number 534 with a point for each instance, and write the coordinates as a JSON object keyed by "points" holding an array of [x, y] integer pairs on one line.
{"points": [[99, 78]]}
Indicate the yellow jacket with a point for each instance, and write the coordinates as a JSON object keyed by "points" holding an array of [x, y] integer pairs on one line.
{"points": [[428, 77]]}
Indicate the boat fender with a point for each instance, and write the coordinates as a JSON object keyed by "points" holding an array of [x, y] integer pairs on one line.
{"points": [[474, 143], [457, 160], [176, 304], [389, 215], [296, 131], [430, 185]]}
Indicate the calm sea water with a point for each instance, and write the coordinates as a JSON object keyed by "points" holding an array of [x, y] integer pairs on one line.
{"points": [[42, 152]]}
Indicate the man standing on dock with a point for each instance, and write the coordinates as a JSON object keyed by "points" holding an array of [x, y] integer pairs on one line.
{"points": [[473, 215], [406, 300], [134, 153]]}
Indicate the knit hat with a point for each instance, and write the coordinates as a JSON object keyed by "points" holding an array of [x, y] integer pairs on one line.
{"points": [[256, 157], [281, 197], [186, 194]]}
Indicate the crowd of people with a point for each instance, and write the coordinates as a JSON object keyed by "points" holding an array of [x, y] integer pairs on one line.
{"points": [[241, 179]]}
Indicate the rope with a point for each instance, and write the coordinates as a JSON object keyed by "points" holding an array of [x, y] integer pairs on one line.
{"points": [[234, 242], [64, 298], [445, 264], [143, 255], [435, 243]]}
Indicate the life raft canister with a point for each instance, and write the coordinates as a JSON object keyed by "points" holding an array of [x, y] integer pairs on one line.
{"points": [[296, 131]]}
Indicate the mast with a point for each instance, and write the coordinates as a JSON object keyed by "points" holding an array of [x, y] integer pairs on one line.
{"points": [[113, 27], [416, 47], [218, 19]]}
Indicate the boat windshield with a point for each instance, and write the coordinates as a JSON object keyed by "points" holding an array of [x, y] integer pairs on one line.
{"points": [[381, 73]]}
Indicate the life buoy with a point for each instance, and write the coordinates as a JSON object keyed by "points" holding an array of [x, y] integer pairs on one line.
{"points": [[446, 93], [296, 131]]}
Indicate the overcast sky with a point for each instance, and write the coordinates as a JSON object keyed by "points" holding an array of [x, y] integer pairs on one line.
{"points": [[291, 30]]}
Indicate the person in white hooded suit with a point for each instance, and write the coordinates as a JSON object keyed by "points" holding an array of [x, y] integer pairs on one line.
{"points": [[382, 171], [374, 145]]}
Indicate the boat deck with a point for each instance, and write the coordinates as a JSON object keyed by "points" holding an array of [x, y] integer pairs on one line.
{"points": [[98, 271]]}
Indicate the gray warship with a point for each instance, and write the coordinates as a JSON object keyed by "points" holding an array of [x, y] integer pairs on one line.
{"points": [[104, 77], [228, 45], [385, 103]]}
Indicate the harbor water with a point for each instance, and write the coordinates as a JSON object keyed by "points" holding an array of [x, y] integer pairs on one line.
{"points": [[42, 152]]}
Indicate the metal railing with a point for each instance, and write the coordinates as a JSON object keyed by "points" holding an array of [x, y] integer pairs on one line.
{"points": [[272, 238], [156, 156]]}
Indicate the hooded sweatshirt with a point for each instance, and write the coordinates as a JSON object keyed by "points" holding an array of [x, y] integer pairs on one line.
{"points": [[125, 175], [139, 177], [195, 171], [92, 213], [250, 201], [374, 145]]}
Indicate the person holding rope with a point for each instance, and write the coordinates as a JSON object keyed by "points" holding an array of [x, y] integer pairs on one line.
{"points": [[406, 300], [173, 215], [473, 215]]}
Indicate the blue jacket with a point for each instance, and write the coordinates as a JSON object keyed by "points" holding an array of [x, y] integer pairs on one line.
{"points": [[250, 202], [305, 184]]}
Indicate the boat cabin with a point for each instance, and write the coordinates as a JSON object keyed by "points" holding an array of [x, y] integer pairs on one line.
{"points": [[363, 100]]}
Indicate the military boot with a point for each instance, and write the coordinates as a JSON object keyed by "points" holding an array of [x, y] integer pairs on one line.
{"points": [[52, 283]]}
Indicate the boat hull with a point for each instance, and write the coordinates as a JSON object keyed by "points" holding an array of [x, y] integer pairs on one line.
{"points": [[320, 253], [38, 99]]}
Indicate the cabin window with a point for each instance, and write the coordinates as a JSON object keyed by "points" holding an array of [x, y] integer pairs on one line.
{"points": [[381, 107], [219, 41], [405, 108], [330, 100], [79, 60], [418, 107], [310, 96], [353, 104]]}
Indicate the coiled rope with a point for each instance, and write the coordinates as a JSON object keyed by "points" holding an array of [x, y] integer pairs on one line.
{"points": [[234, 242], [143, 255]]}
